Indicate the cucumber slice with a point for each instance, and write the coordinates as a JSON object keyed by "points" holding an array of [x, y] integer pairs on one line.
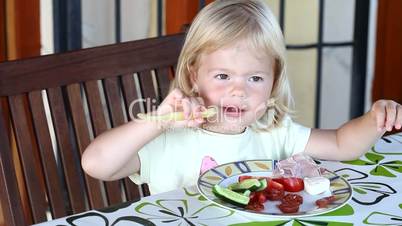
{"points": [[230, 196], [263, 183], [247, 193], [248, 184]]}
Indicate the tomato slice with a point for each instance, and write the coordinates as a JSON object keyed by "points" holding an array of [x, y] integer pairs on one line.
{"points": [[323, 203], [288, 208], [274, 190], [244, 177], [274, 194], [291, 184], [256, 206], [272, 184], [292, 199]]}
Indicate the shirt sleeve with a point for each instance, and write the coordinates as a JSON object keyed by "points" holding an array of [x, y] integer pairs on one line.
{"points": [[296, 137], [146, 154]]}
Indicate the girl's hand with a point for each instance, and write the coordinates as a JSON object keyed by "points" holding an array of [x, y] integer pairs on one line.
{"points": [[191, 107], [387, 114]]}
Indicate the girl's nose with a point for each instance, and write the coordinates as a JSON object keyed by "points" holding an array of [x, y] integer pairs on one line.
{"points": [[238, 89]]}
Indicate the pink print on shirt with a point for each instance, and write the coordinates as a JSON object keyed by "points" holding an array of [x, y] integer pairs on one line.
{"points": [[207, 163]]}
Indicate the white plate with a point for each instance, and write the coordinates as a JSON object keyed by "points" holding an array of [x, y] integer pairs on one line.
{"points": [[227, 174]]}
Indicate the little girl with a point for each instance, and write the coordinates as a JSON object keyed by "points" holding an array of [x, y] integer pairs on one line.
{"points": [[233, 59]]}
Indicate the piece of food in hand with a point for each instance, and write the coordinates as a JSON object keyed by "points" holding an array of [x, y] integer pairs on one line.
{"points": [[324, 202], [299, 165], [175, 116], [316, 185], [291, 184]]}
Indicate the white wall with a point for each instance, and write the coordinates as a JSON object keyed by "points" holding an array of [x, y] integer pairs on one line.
{"points": [[98, 21], [371, 52], [46, 26]]}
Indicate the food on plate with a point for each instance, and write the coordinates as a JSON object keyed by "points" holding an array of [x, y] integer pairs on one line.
{"points": [[288, 208], [316, 185], [230, 196], [251, 184], [299, 166], [291, 184], [290, 203], [324, 202], [275, 191], [292, 199], [244, 177], [290, 176]]}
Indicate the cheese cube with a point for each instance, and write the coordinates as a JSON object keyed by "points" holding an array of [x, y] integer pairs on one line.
{"points": [[316, 185]]}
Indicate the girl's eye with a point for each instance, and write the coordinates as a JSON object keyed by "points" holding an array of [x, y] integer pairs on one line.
{"points": [[222, 76], [256, 79]]}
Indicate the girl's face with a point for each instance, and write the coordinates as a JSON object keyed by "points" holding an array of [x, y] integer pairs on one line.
{"points": [[238, 82]]}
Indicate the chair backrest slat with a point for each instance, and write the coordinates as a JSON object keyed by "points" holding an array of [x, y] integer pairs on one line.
{"points": [[148, 90], [83, 140], [11, 205], [114, 98], [53, 106], [163, 75], [99, 126], [27, 147], [130, 95], [53, 181], [66, 149]]}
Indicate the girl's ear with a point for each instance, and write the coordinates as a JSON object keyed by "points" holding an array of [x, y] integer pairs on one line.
{"points": [[193, 75], [193, 80]]}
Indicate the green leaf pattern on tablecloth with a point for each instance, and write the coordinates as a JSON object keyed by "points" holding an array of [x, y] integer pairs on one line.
{"points": [[366, 192], [379, 218], [192, 194], [171, 210], [381, 168]]}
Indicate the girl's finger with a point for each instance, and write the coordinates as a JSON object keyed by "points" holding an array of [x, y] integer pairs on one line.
{"points": [[197, 107], [380, 117], [391, 115], [187, 108], [171, 101], [195, 122], [398, 123]]}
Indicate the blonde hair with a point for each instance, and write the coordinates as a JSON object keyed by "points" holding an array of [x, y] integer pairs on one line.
{"points": [[223, 22]]}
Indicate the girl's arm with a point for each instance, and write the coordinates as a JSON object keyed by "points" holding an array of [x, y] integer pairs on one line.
{"points": [[355, 137], [114, 154]]}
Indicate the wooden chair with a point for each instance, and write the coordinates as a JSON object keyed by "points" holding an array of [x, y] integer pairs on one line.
{"points": [[52, 106]]}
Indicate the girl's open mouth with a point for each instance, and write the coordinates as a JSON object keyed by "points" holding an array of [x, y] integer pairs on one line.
{"points": [[232, 111]]}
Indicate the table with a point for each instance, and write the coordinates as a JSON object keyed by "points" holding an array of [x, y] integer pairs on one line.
{"points": [[376, 179]]}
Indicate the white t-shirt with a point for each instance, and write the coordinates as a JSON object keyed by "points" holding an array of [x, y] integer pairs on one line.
{"points": [[173, 159]]}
